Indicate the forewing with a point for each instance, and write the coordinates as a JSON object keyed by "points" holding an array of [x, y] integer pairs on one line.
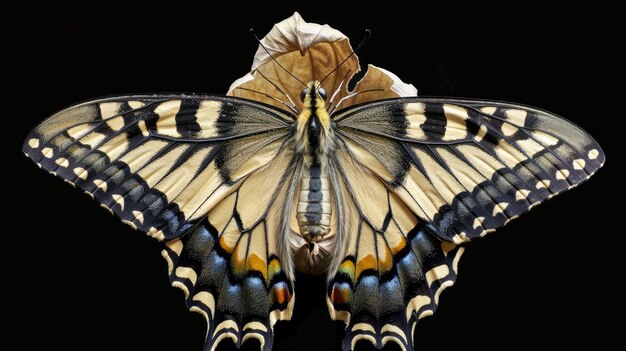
{"points": [[421, 176], [160, 163], [468, 167], [192, 171]]}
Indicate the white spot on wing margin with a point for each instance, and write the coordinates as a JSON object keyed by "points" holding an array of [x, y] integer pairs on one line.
{"points": [[33, 143]]}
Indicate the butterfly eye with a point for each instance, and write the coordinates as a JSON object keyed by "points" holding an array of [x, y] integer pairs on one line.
{"points": [[322, 93], [303, 94]]}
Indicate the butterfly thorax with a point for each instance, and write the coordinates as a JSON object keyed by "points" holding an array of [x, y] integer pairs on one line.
{"points": [[314, 135], [314, 142]]}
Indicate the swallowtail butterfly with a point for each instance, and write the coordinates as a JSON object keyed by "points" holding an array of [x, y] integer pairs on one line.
{"points": [[378, 192]]}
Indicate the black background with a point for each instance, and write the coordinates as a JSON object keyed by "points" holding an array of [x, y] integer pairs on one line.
{"points": [[78, 279]]}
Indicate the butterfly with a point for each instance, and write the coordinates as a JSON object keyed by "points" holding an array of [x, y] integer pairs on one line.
{"points": [[379, 195]]}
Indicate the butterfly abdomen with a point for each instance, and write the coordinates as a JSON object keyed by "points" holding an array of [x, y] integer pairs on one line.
{"points": [[314, 210]]}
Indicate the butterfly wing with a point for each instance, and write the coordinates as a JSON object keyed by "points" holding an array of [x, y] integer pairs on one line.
{"points": [[425, 175], [190, 171], [229, 266]]}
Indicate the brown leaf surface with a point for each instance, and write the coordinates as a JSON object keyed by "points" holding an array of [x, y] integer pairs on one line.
{"points": [[309, 52]]}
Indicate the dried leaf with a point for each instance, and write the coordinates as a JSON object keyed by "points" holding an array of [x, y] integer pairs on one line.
{"points": [[309, 52]]}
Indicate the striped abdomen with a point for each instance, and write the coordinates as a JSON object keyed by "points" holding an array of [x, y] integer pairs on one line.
{"points": [[314, 208]]}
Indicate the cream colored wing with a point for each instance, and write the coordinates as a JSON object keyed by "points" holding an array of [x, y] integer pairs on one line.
{"points": [[232, 266], [160, 163], [191, 171], [468, 167], [392, 268], [417, 178]]}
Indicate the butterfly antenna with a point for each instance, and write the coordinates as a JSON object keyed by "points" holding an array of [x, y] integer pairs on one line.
{"points": [[368, 33], [277, 88], [351, 96], [332, 98], [289, 106], [272, 57]]}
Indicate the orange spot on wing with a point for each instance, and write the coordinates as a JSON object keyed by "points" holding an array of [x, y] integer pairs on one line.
{"points": [[273, 268], [281, 294], [225, 246], [341, 295], [398, 247], [255, 263], [367, 262]]}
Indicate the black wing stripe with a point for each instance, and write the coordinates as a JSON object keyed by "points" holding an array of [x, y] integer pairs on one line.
{"points": [[541, 159], [103, 152], [531, 164], [496, 162], [484, 185], [461, 226], [526, 168], [566, 134], [166, 213], [499, 184], [529, 159], [473, 204], [97, 146], [114, 166], [100, 127]]}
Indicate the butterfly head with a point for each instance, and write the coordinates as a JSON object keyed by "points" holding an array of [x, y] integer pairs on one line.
{"points": [[313, 93]]}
